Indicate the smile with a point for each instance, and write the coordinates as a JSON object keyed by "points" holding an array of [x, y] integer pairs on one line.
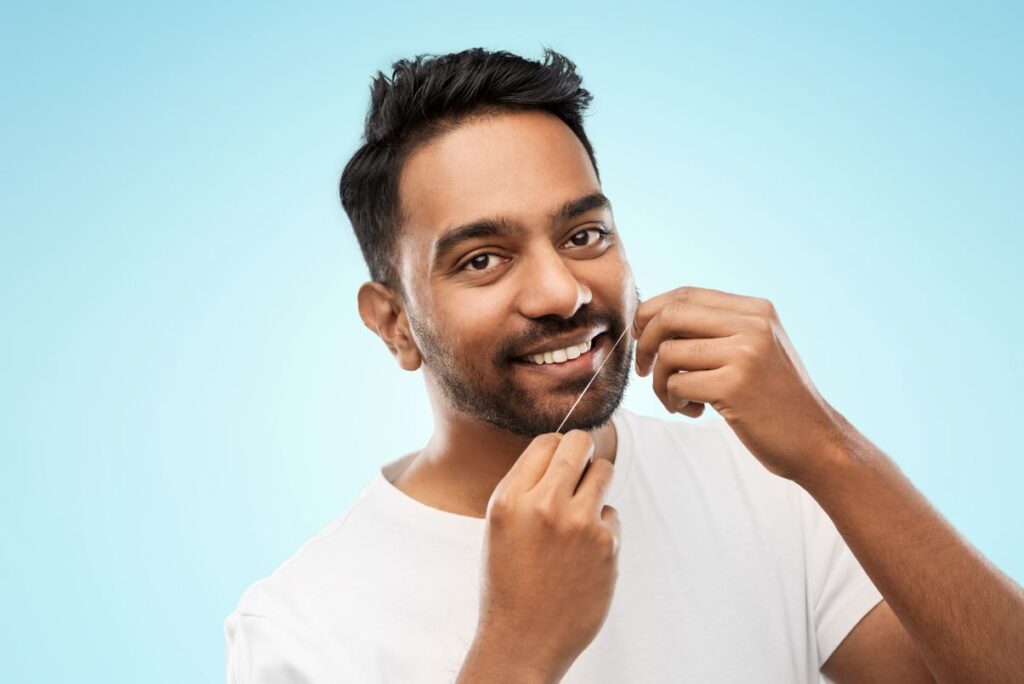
{"points": [[560, 355], [567, 360], [561, 349]]}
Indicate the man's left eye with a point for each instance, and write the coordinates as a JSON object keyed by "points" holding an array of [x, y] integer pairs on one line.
{"points": [[480, 262], [583, 238]]}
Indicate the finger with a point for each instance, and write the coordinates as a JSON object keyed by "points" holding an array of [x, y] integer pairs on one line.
{"points": [[566, 466], [532, 463], [610, 516], [695, 386], [594, 484], [693, 409], [684, 320], [700, 353], [685, 355], [704, 296]]}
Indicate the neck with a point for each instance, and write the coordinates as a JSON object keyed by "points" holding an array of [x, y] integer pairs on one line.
{"points": [[465, 460]]}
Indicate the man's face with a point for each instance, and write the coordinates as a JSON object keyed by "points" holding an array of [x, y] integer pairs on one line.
{"points": [[509, 251]]}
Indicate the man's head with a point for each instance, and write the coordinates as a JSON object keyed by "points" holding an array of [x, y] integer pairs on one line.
{"points": [[477, 204]]}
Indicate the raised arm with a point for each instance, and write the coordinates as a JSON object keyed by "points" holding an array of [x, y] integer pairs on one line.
{"points": [[964, 616]]}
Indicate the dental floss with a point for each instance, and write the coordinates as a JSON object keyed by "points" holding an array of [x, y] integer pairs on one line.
{"points": [[596, 373]]}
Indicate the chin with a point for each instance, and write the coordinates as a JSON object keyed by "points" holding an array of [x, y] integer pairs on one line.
{"points": [[587, 422]]}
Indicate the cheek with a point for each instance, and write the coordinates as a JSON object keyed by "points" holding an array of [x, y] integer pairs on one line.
{"points": [[612, 283], [474, 324]]}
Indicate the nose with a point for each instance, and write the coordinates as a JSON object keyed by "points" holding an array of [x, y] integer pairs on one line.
{"points": [[549, 286]]}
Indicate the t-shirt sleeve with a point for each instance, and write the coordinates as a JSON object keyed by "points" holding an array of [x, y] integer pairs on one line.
{"points": [[267, 649], [839, 592]]}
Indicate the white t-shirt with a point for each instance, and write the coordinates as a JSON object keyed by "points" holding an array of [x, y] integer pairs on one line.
{"points": [[727, 573]]}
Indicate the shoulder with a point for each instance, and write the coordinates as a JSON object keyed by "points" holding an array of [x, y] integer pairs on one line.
{"points": [[322, 560], [276, 633]]}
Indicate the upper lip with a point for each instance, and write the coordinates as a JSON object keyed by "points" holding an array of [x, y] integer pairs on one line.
{"points": [[563, 341]]}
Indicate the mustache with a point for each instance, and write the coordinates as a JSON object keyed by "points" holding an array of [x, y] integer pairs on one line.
{"points": [[548, 326]]}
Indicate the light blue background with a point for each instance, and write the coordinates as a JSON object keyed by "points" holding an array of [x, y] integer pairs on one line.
{"points": [[188, 393]]}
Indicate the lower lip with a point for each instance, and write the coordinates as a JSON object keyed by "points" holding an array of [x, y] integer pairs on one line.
{"points": [[586, 362]]}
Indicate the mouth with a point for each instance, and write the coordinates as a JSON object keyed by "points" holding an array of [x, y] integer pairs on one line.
{"points": [[559, 359]]}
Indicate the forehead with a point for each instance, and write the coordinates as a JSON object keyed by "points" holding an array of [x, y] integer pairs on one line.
{"points": [[521, 165]]}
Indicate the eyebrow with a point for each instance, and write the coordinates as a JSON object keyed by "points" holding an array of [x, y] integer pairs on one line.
{"points": [[581, 205], [502, 227]]}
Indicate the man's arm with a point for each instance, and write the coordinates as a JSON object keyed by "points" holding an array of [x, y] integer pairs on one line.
{"points": [[878, 649], [964, 617]]}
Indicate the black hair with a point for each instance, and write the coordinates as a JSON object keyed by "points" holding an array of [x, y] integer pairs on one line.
{"points": [[426, 97]]}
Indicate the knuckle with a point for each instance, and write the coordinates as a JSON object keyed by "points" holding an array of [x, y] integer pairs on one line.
{"points": [[500, 508], [748, 350], [576, 525], [675, 309], [675, 382], [545, 512], [580, 437], [684, 292], [602, 467], [761, 324], [548, 439], [562, 463]]}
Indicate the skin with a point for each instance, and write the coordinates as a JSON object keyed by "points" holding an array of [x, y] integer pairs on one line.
{"points": [[948, 614], [551, 550], [531, 277]]}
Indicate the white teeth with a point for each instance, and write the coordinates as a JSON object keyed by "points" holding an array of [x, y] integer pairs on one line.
{"points": [[561, 355]]}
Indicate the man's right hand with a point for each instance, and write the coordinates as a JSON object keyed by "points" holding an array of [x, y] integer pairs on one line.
{"points": [[550, 563]]}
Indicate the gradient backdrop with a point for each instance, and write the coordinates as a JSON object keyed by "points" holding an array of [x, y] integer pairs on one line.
{"points": [[188, 393]]}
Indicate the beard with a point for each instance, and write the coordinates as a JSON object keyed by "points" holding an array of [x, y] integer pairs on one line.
{"points": [[488, 390]]}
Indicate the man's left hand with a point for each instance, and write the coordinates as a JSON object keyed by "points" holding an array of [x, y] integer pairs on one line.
{"points": [[730, 351]]}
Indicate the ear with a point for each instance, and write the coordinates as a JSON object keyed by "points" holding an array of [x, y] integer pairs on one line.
{"points": [[383, 312]]}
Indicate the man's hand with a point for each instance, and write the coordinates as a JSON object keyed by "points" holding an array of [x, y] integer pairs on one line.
{"points": [[550, 563], [730, 351], [964, 617]]}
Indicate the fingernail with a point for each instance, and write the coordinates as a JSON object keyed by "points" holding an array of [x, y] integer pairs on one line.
{"points": [[681, 405]]}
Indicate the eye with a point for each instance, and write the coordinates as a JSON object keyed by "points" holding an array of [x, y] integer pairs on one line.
{"points": [[480, 262], [583, 238]]}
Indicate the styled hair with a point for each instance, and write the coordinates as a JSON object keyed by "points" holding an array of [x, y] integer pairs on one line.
{"points": [[426, 97]]}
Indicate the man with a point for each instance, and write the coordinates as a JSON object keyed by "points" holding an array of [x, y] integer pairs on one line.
{"points": [[770, 546]]}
